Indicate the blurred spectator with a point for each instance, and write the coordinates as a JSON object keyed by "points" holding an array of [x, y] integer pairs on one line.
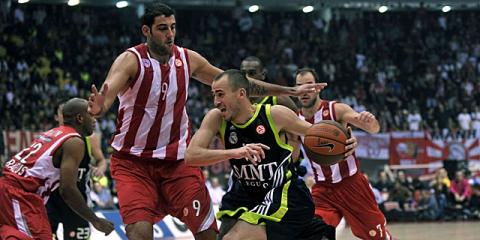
{"points": [[427, 207], [475, 202], [414, 120], [216, 191], [400, 194], [101, 197], [464, 120], [460, 190]]}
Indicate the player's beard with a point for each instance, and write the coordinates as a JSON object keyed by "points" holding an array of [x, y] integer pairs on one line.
{"points": [[160, 49], [310, 104]]}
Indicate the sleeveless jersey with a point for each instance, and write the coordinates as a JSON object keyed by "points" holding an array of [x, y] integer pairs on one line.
{"points": [[336, 172], [271, 172], [32, 169], [152, 121]]}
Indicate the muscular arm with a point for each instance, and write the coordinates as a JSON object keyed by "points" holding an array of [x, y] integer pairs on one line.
{"points": [[198, 153], [121, 73], [73, 151], [205, 72], [285, 119], [364, 120]]}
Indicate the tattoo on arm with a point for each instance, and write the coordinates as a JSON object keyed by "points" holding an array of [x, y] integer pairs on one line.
{"points": [[257, 90]]}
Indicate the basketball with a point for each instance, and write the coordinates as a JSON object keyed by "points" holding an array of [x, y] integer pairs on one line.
{"points": [[325, 142]]}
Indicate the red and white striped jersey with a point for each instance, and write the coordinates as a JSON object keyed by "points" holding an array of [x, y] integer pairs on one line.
{"points": [[32, 168], [152, 121], [336, 172]]}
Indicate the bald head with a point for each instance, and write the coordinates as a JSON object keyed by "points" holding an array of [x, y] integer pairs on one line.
{"points": [[75, 115], [73, 107]]}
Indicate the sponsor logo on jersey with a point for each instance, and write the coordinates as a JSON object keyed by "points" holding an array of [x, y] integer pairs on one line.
{"points": [[260, 129]]}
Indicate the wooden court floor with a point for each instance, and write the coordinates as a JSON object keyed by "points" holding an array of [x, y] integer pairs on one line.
{"points": [[426, 231]]}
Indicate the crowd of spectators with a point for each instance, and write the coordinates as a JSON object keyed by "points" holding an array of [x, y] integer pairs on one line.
{"points": [[404, 198], [415, 70]]}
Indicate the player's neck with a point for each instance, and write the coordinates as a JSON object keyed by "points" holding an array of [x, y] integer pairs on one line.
{"points": [[163, 59], [310, 111], [244, 116]]}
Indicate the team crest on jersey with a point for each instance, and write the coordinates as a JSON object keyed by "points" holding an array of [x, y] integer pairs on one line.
{"points": [[146, 63], [260, 129], [178, 62], [325, 113], [233, 138], [372, 233]]}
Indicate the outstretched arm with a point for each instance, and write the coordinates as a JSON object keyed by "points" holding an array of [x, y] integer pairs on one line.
{"points": [[122, 71], [205, 72], [364, 120], [198, 153]]}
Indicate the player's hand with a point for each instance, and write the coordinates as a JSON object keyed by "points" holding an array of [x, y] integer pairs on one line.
{"points": [[96, 100], [351, 143], [103, 225], [365, 116], [308, 88], [98, 171], [252, 152]]}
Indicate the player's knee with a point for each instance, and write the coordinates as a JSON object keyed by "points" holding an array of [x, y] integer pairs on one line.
{"points": [[139, 231]]}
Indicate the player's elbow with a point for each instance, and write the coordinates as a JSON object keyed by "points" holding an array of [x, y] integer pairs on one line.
{"points": [[191, 158], [65, 191], [375, 129]]}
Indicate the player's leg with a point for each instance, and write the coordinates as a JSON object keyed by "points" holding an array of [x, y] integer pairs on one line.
{"points": [[138, 197], [364, 217], [184, 191], [246, 231], [226, 226], [325, 205]]}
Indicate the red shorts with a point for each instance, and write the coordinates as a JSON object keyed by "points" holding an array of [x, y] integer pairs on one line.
{"points": [[23, 215], [149, 190], [352, 198]]}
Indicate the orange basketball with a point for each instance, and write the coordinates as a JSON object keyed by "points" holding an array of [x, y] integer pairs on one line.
{"points": [[325, 142]]}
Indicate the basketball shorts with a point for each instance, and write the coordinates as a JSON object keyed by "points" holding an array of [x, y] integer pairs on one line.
{"points": [[353, 199], [74, 226], [24, 212], [149, 190], [283, 210]]}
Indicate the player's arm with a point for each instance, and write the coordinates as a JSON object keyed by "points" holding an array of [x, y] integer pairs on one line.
{"points": [[285, 119], [198, 153], [73, 151], [99, 170], [121, 73], [205, 72], [364, 120]]}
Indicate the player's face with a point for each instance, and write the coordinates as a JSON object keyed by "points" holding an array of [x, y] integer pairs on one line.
{"points": [[161, 35], [89, 123], [225, 99], [253, 69], [307, 100]]}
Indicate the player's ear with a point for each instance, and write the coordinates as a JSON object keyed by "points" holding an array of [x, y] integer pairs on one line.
{"points": [[146, 30], [243, 92]]}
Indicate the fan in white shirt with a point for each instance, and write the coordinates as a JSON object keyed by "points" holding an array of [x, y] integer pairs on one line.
{"points": [[464, 120]]}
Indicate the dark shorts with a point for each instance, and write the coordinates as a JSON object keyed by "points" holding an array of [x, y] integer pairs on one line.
{"points": [[285, 211], [149, 190], [74, 226]]}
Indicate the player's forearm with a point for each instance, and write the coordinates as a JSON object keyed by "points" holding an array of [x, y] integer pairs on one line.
{"points": [[75, 201], [372, 127], [260, 89], [204, 157]]}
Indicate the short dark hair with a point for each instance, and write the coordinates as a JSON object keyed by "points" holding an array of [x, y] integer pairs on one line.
{"points": [[236, 80], [155, 10], [303, 71], [254, 59]]}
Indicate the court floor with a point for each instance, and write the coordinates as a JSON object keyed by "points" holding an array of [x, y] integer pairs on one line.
{"points": [[426, 231]]}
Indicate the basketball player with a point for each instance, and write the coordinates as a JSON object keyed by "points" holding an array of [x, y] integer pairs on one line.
{"points": [[151, 82], [340, 185], [74, 226], [51, 161], [266, 197]]}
